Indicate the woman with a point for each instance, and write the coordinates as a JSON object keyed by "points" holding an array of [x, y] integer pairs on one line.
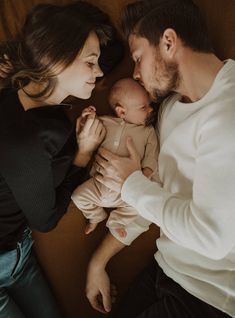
{"points": [[42, 157]]}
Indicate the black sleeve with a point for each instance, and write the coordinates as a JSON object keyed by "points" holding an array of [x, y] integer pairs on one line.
{"points": [[111, 54], [74, 177], [27, 170]]}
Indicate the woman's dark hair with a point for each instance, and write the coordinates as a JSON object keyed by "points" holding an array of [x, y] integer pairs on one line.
{"points": [[51, 36], [150, 18]]}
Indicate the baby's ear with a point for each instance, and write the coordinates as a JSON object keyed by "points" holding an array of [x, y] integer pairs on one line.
{"points": [[120, 111]]}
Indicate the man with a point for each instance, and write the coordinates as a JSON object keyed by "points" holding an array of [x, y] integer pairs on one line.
{"points": [[194, 268]]}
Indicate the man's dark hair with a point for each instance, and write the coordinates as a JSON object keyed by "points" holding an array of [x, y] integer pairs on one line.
{"points": [[150, 18]]}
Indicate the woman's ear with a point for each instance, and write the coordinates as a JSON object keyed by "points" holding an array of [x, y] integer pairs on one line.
{"points": [[168, 43], [120, 111]]}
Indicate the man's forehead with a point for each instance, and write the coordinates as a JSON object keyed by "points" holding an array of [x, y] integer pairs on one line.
{"points": [[136, 42]]}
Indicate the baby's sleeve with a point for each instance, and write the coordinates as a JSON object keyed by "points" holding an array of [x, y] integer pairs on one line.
{"points": [[151, 151]]}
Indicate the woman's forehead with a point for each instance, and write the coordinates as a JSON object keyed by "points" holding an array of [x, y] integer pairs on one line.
{"points": [[91, 47]]}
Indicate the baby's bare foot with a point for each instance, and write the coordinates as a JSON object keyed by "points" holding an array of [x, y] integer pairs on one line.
{"points": [[90, 227], [121, 232]]}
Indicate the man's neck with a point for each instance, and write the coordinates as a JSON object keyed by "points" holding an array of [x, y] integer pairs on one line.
{"points": [[198, 72]]}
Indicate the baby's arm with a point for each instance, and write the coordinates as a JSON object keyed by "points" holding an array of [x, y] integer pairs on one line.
{"points": [[149, 162]]}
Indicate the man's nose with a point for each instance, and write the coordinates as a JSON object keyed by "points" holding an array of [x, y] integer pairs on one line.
{"points": [[136, 73]]}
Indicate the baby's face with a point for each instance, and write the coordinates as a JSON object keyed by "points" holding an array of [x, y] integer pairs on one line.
{"points": [[137, 106]]}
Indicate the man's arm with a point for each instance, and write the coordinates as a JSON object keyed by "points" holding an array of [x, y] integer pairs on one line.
{"points": [[98, 283]]}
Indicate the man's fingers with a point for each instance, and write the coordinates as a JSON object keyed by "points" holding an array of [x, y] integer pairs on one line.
{"points": [[113, 290], [106, 154], [107, 301], [131, 148], [96, 303]]}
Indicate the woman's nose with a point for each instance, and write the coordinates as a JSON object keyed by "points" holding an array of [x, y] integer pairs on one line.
{"points": [[98, 72]]}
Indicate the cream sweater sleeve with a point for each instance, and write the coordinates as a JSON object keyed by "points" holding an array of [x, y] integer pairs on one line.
{"points": [[205, 222]]}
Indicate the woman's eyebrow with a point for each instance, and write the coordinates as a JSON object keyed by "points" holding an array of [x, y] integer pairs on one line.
{"points": [[92, 55]]}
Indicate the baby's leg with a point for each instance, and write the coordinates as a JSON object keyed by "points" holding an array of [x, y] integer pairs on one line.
{"points": [[90, 227], [87, 198], [120, 217]]}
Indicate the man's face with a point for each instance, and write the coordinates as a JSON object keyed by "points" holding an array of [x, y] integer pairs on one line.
{"points": [[151, 70]]}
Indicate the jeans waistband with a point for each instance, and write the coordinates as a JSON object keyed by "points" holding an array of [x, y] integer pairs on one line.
{"points": [[26, 233]]}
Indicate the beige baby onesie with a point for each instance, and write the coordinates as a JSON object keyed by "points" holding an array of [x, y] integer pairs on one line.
{"points": [[91, 197]]}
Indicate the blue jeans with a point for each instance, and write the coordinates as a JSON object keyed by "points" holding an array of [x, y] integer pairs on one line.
{"points": [[23, 289]]}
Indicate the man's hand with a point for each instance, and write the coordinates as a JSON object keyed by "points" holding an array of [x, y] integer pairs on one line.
{"points": [[113, 170], [98, 289], [100, 293]]}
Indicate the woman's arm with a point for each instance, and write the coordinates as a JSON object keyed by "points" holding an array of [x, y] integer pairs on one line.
{"points": [[27, 170]]}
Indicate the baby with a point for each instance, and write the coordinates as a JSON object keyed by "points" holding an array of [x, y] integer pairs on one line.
{"points": [[131, 104]]}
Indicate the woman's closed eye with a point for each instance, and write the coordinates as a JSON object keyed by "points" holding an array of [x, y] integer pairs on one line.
{"points": [[90, 64]]}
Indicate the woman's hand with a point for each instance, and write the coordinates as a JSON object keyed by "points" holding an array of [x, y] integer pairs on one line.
{"points": [[90, 133]]}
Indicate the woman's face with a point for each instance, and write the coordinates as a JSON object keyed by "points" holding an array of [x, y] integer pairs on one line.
{"points": [[79, 78]]}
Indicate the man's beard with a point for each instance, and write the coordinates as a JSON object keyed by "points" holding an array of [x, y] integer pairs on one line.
{"points": [[169, 75], [151, 119]]}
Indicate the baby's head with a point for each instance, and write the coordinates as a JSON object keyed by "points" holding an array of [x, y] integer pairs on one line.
{"points": [[130, 101]]}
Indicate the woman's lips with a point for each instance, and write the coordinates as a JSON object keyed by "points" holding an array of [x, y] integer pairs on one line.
{"points": [[91, 83]]}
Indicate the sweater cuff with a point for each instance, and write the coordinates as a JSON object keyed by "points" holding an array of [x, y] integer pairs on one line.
{"points": [[132, 188], [146, 196]]}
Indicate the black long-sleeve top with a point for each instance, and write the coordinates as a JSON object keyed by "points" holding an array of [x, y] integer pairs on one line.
{"points": [[37, 176], [37, 149]]}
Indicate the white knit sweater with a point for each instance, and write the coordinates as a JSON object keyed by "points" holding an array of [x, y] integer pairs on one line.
{"points": [[194, 204]]}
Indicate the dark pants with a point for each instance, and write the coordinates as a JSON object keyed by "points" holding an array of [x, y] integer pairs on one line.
{"points": [[155, 295]]}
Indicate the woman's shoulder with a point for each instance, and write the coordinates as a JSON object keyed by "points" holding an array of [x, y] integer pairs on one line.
{"points": [[46, 126], [53, 128]]}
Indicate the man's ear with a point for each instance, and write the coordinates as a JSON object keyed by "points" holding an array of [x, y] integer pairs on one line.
{"points": [[120, 111], [168, 43]]}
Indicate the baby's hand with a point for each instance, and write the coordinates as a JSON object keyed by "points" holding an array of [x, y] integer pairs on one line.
{"points": [[88, 111]]}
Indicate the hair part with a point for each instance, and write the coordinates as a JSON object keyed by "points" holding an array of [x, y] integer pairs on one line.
{"points": [[150, 18], [51, 38]]}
